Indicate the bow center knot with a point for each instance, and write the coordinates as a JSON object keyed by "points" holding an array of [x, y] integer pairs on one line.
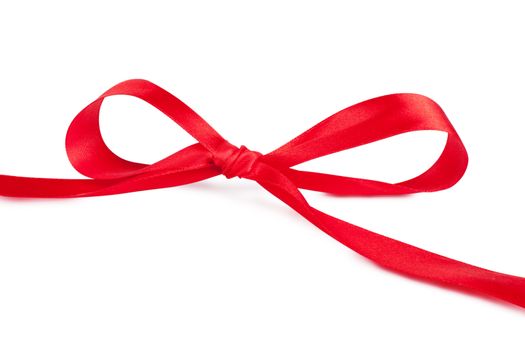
{"points": [[237, 161]]}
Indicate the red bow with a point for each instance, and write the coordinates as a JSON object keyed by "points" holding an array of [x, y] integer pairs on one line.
{"points": [[212, 155]]}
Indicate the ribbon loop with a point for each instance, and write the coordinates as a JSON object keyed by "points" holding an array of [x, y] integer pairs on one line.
{"points": [[212, 155], [367, 122]]}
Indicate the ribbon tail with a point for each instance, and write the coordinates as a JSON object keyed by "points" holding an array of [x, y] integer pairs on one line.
{"points": [[191, 164], [30, 187], [394, 255], [421, 264]]}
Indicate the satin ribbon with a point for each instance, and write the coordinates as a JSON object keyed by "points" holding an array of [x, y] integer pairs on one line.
{"points": [[212, 155]]}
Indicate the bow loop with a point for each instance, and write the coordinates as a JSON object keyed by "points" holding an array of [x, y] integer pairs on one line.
{"points": [[366, 122]]}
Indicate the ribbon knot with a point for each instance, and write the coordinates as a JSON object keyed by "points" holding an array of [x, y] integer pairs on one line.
{"points": [[235, 161], [212, 155]]}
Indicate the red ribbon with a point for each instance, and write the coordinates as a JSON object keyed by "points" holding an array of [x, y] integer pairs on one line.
{"points": [[212, 155]]}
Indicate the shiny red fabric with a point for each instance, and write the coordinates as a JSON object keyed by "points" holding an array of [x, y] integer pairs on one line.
{"points": [[212, 155]]}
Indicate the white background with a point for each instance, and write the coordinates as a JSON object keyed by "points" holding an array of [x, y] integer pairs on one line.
{"points": [[221, 264]]}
